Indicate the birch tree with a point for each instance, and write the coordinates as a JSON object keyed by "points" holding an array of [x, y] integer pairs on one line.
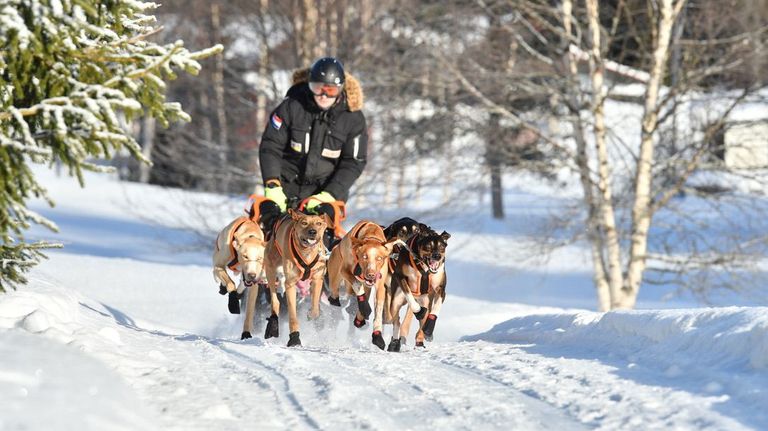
{"points": [[619, 273], [70, 71], [563, 53]]}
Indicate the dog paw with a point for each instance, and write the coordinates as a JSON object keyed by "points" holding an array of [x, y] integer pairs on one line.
{"points": [[359, 323], [273, 329], [420, 315], [234, 303], [293, 339], [429, 326], [363, 306], [378, 340], [222, 289], [394, 345], [334, 301], [246, 335], [420, 344]]}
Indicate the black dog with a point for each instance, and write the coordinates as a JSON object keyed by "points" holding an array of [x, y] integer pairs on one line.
{"points": [[418, 279], [403, 229]]}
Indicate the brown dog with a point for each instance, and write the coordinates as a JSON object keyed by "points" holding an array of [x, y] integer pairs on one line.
{"points": [[360, 261], [295, 252], [239, 247], [419, 280]]}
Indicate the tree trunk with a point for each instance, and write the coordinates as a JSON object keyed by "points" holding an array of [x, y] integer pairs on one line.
{"points": [[641, 209], [261, 98], [401, 176], [493, 158], [599, 276], [147, 136], [366, 16], [221, 112], [310, 48], [419, 181], [607, 214]]}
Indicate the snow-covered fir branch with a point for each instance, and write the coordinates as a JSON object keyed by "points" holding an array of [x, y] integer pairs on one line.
{"points": [[78, 71]]}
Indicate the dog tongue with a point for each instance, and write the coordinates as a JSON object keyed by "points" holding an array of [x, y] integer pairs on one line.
{"points": [[303, 286]]}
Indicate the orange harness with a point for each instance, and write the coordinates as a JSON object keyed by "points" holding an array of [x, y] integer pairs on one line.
{"points": [[254, 213], [232, 265], [295, 255], [424, 283], [339, 215], [253, 207]]}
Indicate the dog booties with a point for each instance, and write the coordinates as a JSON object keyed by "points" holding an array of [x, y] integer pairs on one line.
{"points": [[293, 339]]}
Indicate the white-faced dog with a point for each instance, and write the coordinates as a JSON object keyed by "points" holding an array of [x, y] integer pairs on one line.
{"points": [[239, 247]]}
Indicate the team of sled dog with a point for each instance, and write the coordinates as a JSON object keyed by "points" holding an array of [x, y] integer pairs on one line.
{"points": [[403, 263]]}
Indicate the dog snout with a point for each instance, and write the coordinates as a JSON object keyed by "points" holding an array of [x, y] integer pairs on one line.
{"points": [[251, 277], [312, 231], [436, 256]]}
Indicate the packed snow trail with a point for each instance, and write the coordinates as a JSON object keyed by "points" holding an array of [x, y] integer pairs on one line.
{"points": [[195, 382]]}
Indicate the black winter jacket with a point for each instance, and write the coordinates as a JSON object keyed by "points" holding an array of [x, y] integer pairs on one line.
{"points": [[310, 150]]}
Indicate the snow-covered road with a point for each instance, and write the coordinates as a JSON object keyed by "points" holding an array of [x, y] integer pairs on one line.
{"points": [[184, 381], [123, 331]]}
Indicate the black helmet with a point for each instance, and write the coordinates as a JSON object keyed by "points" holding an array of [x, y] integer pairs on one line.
{"points": [[327, 70]]}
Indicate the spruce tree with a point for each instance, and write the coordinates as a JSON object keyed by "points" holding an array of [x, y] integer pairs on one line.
{"points": [[73, 73]]}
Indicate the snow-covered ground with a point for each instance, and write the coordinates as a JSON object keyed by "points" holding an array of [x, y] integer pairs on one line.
{"points": [[124, 329]]}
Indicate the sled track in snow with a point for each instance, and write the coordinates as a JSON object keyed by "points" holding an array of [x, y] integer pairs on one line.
{"points": [[324, 388]]}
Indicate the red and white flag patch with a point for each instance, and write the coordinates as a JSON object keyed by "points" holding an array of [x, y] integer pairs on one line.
{"points": [[276, 121]]}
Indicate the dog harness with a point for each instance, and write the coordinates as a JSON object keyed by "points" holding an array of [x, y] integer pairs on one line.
{"points": [[299, 260], [425, 283], [295, 255], [253, 207], [233, 263], [339, 215], [357, 271]]}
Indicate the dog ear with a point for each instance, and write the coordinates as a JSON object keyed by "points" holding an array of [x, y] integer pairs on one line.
{"points": [[445, 235], [328, 220], [355, 243], [403, 231], [390, 245], [294, 215], [423, 229]]}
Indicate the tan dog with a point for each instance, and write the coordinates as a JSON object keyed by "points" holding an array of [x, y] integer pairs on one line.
{"points": [[419, 281], [360, 261], [295, 252], [239, 247]]}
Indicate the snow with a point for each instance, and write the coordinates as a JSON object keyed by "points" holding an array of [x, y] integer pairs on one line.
{"points": [[124, 329], [129, 294]]}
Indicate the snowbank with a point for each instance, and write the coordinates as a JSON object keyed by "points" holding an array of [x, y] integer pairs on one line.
{"points": [[731, 337], [55, 382]]}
